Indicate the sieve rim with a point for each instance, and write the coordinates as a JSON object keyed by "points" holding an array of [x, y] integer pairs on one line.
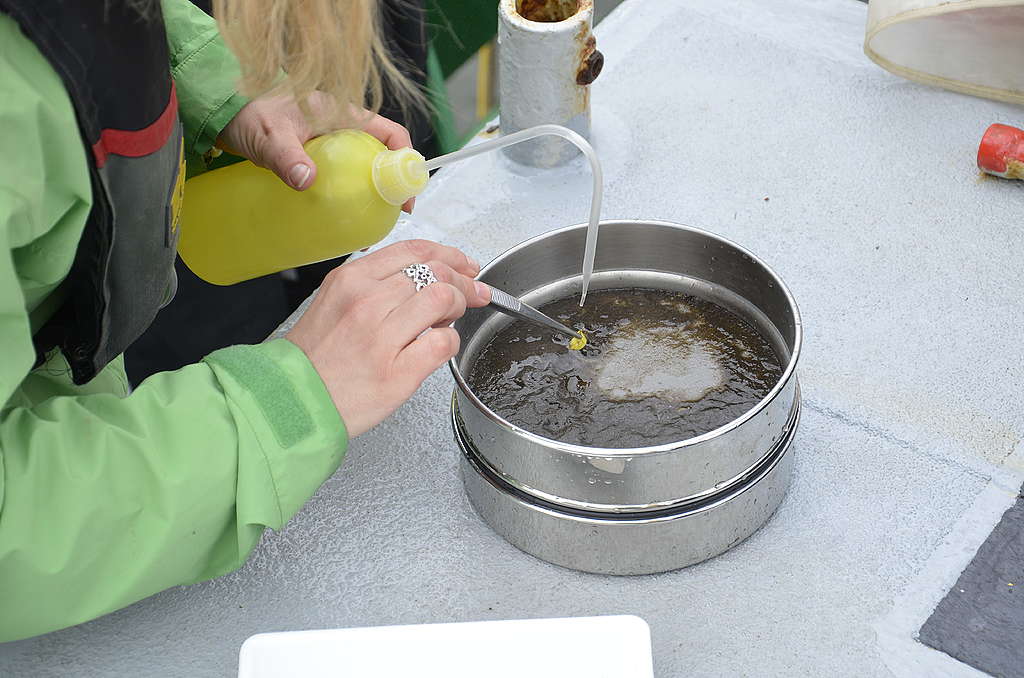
{"points": [[663, 448]]}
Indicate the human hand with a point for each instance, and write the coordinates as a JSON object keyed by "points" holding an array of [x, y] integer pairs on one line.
{"points": [[271, 130], [374, 339]]}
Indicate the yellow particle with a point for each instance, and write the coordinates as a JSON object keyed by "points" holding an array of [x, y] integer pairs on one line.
{"points": [[577, 343]]}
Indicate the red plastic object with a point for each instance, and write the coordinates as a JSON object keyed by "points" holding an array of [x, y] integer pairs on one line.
{"points": [[1002, 152]]}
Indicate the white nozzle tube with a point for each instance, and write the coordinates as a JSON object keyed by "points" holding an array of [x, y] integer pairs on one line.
{"points": [[540, 130]]}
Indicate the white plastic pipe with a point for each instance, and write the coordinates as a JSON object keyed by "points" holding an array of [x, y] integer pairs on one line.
{"points": [[544, 72], [540, 131]]}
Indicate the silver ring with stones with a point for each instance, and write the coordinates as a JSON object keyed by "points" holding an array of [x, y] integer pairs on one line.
{"points": [[420, 274]]}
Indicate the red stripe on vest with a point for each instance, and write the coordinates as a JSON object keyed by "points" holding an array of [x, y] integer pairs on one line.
{"points": [[136, 143]]}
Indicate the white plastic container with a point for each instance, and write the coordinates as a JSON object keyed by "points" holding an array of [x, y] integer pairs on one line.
{"points": [[970, 46], [584, 647]]}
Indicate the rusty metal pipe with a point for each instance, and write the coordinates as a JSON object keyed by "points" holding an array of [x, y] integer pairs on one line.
{"points": [[547, 58]]}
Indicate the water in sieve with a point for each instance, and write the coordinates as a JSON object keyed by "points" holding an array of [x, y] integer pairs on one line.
{"points": [[660, 367]]}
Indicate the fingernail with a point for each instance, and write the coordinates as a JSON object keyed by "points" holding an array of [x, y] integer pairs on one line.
{"points": [[482, 290], [473, 262], [299, 174]]}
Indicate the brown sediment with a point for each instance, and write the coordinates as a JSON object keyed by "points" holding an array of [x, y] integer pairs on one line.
{"points": [[659, 367], [548, 11], [1014, 169], [591, 62]]}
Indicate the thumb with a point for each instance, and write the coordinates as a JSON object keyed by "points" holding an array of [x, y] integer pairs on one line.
{"points": [[284, 156]]}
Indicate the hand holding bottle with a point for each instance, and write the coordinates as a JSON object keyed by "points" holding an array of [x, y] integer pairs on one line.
{"points": [[271, 130]]}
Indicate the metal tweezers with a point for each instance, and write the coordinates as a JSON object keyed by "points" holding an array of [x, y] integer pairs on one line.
{"points": [[509, 305]]}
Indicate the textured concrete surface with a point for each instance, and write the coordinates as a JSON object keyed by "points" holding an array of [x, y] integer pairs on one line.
{"points": [[907, 268]]}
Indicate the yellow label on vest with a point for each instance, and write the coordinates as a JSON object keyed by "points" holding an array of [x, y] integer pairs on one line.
{"points": [[178, 194]]}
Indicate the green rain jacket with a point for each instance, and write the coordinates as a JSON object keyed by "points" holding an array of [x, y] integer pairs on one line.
{"points": [[107, 496]]}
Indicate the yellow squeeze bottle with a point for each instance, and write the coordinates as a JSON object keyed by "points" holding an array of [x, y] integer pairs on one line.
{"points": [[241, 221]]}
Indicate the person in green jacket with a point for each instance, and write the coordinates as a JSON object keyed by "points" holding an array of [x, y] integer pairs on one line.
{"points": [[108, 496]]}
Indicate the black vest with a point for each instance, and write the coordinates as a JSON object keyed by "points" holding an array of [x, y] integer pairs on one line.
{"points": [[114, 62]]}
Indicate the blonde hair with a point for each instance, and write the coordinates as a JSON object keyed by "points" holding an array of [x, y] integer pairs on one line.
{"points": [[334, 46]]}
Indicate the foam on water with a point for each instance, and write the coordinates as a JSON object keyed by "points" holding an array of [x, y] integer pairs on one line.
{"points": [[659, 364]]}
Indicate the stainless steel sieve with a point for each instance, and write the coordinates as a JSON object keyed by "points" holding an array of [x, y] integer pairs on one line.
{"points": [[548, 497]]}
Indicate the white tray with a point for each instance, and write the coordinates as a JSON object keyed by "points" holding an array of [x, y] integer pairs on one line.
{"points": [[584, 647]]}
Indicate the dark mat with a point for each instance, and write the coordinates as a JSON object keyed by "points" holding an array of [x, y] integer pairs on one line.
{"points": [[981, 619]]}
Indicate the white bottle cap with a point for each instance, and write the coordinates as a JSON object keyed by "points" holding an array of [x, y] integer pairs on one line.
{"points": [[399, 175]]}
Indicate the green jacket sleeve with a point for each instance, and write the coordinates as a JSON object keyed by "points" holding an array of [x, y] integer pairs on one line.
{"points": [[205, 73], [106, 498]]}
